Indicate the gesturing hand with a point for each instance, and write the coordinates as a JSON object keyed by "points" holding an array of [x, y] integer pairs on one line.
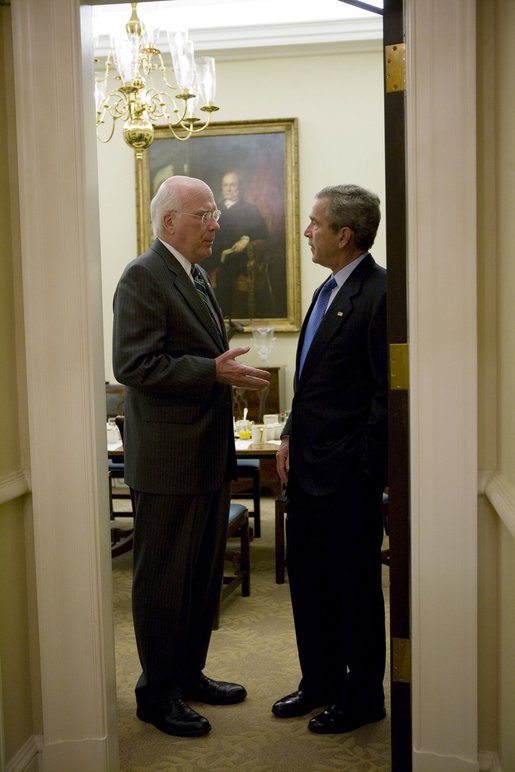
{"points": [[229, 371]]}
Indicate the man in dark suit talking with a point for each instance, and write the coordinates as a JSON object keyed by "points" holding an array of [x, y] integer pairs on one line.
{"points": [[170, 351], [333, 459]]}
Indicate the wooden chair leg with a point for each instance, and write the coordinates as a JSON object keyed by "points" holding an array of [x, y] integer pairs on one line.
{"points": [[385, 554], [240, 558], [280, 512], [245, 559]]}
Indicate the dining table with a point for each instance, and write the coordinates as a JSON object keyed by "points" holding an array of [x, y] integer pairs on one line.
{"points": [[249, 449], [244, 449]]}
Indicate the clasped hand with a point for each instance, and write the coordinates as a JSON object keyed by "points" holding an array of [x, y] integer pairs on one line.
{"points": [[233, 373]]}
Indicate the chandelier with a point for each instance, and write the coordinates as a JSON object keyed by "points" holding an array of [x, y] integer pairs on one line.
{"points": [[142, 94]]}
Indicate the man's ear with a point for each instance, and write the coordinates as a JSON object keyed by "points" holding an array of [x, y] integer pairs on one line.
{"points": [[169, 221], [346, 235]]}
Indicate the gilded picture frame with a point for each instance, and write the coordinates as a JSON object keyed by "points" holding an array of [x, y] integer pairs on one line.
{"points": [[255, 272]]}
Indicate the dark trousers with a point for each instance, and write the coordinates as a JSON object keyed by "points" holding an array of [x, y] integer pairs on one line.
{"points": [[334, 570], [179, 547]]}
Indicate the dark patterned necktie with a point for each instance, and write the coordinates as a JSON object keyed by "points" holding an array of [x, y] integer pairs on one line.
{"points": [[317, 314], [200, 286]]}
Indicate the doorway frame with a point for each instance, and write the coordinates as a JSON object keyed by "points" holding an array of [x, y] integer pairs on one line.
{"points": [[442, 314], [62, 316]]}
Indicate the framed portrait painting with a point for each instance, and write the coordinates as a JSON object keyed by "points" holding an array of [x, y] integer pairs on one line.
{"points": [[252, 168]]}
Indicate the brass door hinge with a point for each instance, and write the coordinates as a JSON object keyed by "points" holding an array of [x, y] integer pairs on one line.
{"points": [[395, 60], [399, 366], [401, 660]]}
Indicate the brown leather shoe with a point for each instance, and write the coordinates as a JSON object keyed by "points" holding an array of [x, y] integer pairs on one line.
{"points": [[295, 704]]}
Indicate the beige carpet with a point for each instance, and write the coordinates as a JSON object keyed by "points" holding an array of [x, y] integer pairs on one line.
{"points": [[255, 645]]}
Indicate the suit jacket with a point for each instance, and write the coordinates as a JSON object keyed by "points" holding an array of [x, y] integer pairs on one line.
{"points": [[338, 420], [178, 434], [241, 219]]}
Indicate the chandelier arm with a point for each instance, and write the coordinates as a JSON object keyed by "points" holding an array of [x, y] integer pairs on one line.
{"points": [[107, 69], [109, 138], [178, 136], [194, 129], [188, 127], [162, 69]]}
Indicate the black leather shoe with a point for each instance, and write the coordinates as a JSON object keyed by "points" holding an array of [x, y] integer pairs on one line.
{"points": [[296, 704], [336, 720], [175, 718], [212, 692]]}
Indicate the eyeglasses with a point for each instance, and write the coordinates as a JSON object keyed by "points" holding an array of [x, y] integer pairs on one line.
{"points": [[205, 217]]}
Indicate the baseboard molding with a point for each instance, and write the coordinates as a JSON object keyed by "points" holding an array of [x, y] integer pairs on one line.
{"points": [[489, 762], [27, 758], [501, 495], [13, 485], [426, 761]]}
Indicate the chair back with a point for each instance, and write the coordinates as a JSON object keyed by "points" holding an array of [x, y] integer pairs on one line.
{"points": [[254, 401], [115, 395], [119, 421]]}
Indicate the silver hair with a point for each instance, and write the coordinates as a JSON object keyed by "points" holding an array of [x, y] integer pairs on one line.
{"points": [[165, 200], [355, 208]]}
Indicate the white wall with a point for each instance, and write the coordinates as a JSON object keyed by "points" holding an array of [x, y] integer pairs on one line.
{"points": [[338, 100]]}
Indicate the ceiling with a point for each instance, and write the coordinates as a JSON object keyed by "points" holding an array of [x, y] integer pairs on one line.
{"points": [[253, 28]]}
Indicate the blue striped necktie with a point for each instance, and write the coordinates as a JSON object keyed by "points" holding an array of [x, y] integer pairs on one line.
{"points": [[316, 316]]}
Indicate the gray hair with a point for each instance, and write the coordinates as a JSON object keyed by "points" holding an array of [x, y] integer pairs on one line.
{"points": [[165, 200], [354, 207]]}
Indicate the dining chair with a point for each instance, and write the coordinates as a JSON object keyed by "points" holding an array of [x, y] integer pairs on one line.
{"points": [[115, 395], [237, 527], [121, 536], [280, 540], [385, 553], [239, 558], [245, 399], [250, 468]]}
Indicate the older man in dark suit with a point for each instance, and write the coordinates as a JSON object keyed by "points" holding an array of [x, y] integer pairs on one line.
{"points": [[170, 351], [333, 458]]}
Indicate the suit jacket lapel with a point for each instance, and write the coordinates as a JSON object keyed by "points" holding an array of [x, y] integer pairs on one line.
{"points": [[215, 305], [185, 286], [335, 316]]}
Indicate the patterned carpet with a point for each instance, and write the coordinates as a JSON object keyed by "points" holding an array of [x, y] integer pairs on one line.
{"points": [[254, 645]]}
